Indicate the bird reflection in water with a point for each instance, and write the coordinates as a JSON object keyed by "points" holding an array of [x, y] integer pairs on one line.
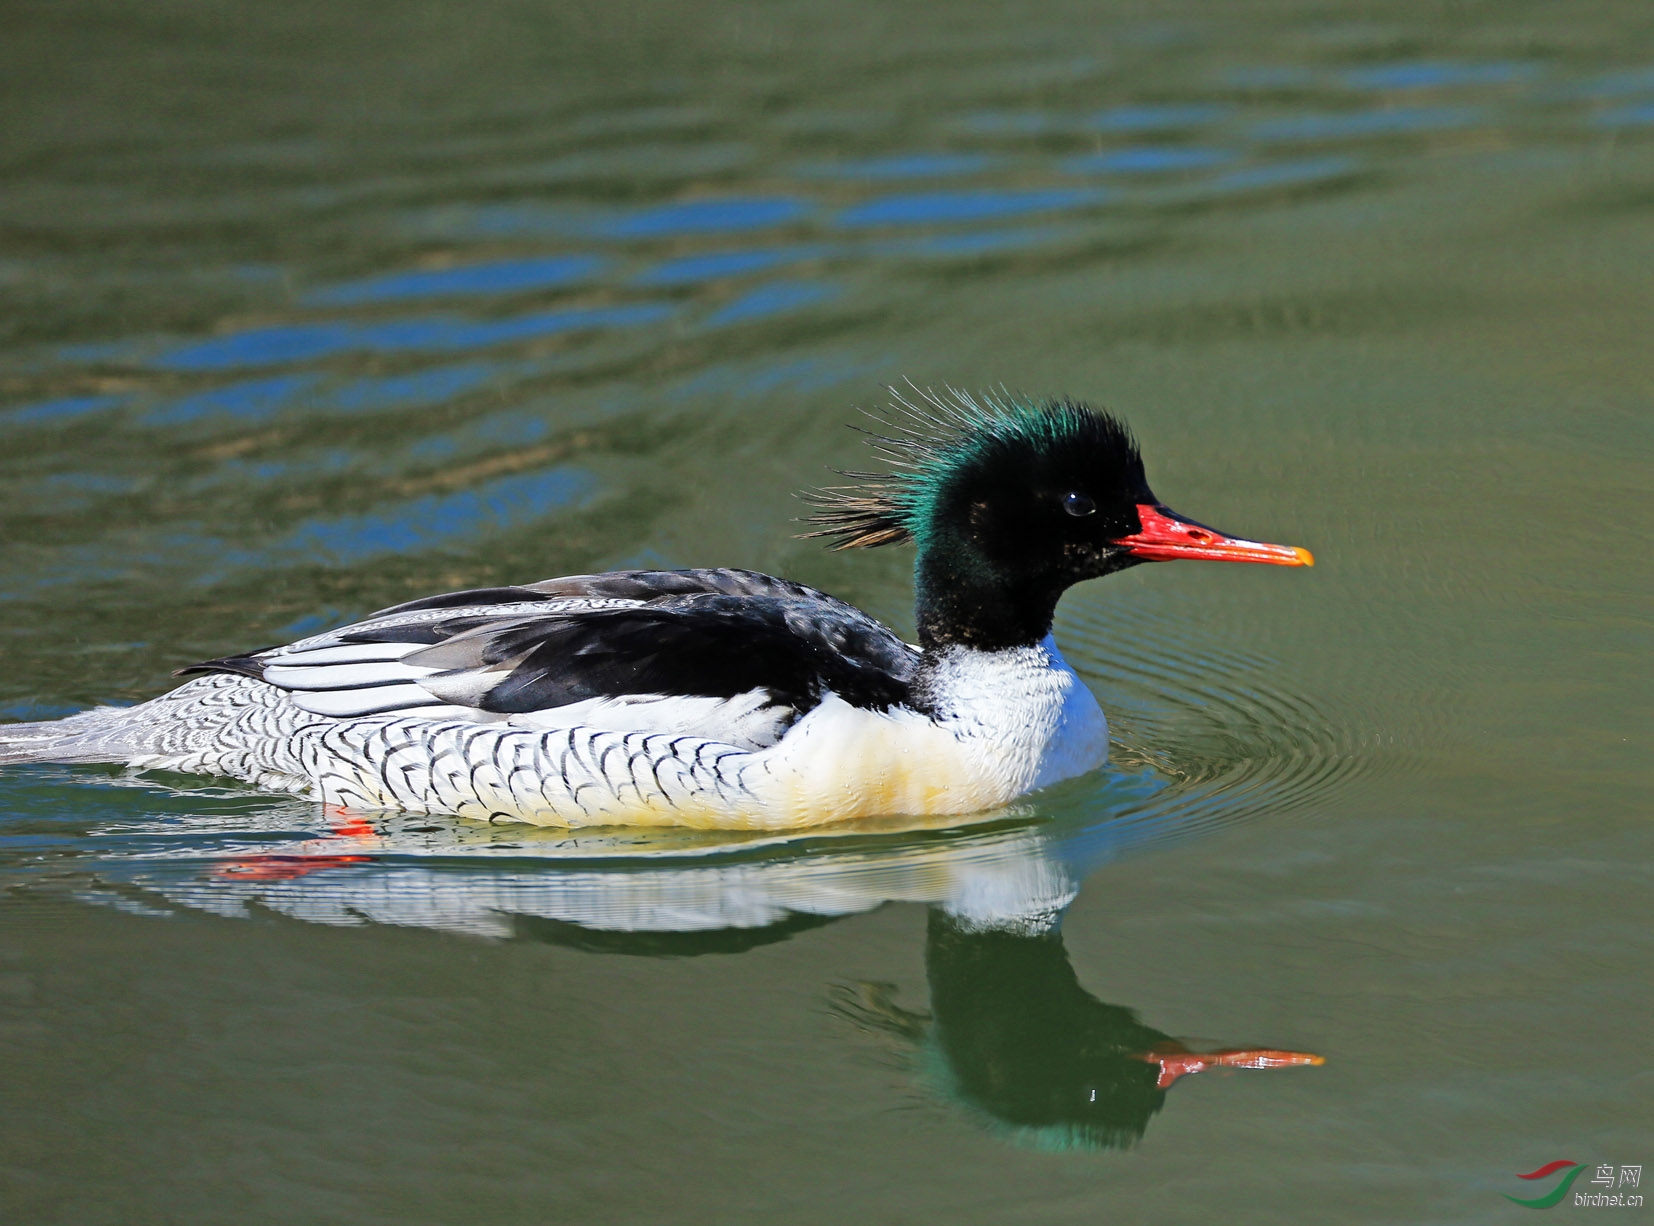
{"points": [[1011, 1034]]}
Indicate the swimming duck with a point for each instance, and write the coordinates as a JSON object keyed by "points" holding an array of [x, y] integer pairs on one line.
{"points": [[714, 698]]}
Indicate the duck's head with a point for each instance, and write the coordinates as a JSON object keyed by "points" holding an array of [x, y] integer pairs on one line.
{"points": [[1010, 502]]}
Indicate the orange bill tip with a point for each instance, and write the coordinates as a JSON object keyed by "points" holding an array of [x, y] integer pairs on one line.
{"points": [[1166, 536]]}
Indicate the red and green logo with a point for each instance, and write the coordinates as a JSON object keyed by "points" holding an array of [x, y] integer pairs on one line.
{"points": [[1555, 1194]]}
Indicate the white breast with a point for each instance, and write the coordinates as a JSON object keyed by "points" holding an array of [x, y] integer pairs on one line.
{"points": [[1026, 707], [1003, 723]]}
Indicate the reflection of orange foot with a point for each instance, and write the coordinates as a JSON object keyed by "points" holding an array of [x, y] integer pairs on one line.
{"points": [[346, 824], [280, 868], [1176, 1063]]}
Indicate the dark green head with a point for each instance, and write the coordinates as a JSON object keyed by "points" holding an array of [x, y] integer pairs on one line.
{"points": [[1010, 502]]}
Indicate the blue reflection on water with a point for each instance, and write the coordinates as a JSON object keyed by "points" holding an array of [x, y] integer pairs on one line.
{"points": [[1147, 160], [905, 166], [689, 269], [260, 399], [500, 430], [29, 709], [262, 347], [705, 217], [427, 522], [689, 217], [1626, 116], [1366, 123], [405, 391], [509, 429], [772, 299], [1433, 74], [945, 207], [501, 277], [250, 400], [434, 520], [56, 412], [1623, 84], [305, 342], [1154, 118]]}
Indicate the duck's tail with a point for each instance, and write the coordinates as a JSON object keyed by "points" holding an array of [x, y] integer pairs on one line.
{"points": [[219, 724], [103, 734]]}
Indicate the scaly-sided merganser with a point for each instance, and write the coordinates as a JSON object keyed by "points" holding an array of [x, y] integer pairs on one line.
{"points": [[713, 698]]}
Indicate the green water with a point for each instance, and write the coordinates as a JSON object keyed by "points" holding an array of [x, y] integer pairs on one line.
{"points": [[308, 309]]}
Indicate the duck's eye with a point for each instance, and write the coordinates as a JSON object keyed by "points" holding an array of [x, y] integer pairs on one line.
{"points": [[1078, 504]]}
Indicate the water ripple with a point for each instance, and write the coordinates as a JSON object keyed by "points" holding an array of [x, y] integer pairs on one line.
{"points": [[501, 277], [1358, 124], [308, 342], [952, 207], [1233, 743]]}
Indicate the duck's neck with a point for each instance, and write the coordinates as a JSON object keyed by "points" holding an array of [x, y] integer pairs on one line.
{"points": [[963, 605]]}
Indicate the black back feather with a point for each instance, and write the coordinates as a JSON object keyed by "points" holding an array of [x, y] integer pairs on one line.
{"points": [[707, 633], [703, 644]]}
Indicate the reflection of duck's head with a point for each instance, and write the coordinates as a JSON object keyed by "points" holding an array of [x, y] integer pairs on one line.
{"points": [[1013, 1036], [1024, 1042]]}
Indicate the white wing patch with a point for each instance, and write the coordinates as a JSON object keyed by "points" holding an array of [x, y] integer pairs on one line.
{"points": [[328, 676], [357, 675], [345, 679], [378, 700]]}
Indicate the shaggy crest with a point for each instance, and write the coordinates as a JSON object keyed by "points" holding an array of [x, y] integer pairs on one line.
{"points": [[925, 442]]}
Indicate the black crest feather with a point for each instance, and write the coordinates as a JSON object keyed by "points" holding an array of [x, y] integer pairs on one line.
{"points": [[922, 435], [910, 437]]}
